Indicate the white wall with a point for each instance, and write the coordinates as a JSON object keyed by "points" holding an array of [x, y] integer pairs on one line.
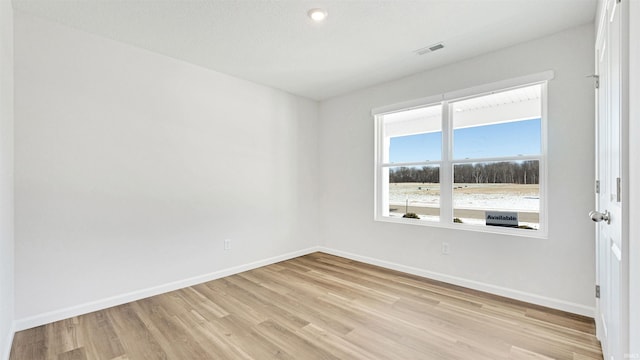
{"points": [[132, 167], [558, 271], [6, 178]]}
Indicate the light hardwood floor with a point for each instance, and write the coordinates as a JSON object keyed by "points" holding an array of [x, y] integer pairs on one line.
{"points": [[316, 307]]}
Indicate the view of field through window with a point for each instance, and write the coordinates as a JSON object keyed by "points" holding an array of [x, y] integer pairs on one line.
{"points": [[501, 186]]}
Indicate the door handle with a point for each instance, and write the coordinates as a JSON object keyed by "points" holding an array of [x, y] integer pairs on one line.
{"points": [[597, 216]]}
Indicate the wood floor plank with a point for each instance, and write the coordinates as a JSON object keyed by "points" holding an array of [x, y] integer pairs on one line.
{"points": [[246, 337], [99, 339], [31, 344], [299, 309], [338, 345], [62, 336], [75, 354], [136, 337], [317, 306]]}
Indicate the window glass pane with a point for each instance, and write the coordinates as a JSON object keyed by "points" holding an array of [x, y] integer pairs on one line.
{"points": [[413, 135], [500, 124], [414, 148], [509, 186], [414, 190]]}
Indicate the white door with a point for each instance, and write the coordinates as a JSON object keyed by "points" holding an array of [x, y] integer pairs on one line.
{"points": [[609, 250]]}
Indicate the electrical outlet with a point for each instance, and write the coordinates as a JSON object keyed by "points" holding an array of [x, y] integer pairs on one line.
{"points": [[445, 248], [227, 244]]}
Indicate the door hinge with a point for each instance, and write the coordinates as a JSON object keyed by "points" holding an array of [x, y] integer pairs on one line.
{"points": [[618, 190], [597, 291], [597, 80], [597, 186]]}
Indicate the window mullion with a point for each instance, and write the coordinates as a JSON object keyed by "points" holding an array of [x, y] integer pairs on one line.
{"points": [[496, 159], [417, 163], [446, 177]]}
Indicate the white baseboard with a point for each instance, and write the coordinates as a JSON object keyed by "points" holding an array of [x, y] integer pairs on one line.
{"points": [[471, 284], [9, 341], [65, 313]]}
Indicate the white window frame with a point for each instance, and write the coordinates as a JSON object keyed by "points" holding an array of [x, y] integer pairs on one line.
{"points": [[447, 162]]}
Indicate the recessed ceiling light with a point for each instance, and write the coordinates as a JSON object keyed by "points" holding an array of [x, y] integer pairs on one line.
{"points": [[317, 15]]}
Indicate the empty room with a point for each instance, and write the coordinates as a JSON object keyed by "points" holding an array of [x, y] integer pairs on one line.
{"points": [[251, 179]]}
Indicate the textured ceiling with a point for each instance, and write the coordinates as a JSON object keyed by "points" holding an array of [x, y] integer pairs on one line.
{"points": [[274, 43]]}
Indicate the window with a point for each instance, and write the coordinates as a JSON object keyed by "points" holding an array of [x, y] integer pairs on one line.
{"points": [[471, 160]]}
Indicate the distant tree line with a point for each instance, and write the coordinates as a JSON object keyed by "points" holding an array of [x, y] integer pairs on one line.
{"points": [[524, 172]]}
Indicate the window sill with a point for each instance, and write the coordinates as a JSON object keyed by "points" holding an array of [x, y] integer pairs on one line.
{"points": [[538, 234]]}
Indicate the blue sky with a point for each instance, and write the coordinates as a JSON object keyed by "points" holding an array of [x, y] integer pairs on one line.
{"points": [[508, 139]]}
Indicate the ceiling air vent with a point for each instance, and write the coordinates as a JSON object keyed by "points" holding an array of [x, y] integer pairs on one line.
{"points": [[429, 49]]}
